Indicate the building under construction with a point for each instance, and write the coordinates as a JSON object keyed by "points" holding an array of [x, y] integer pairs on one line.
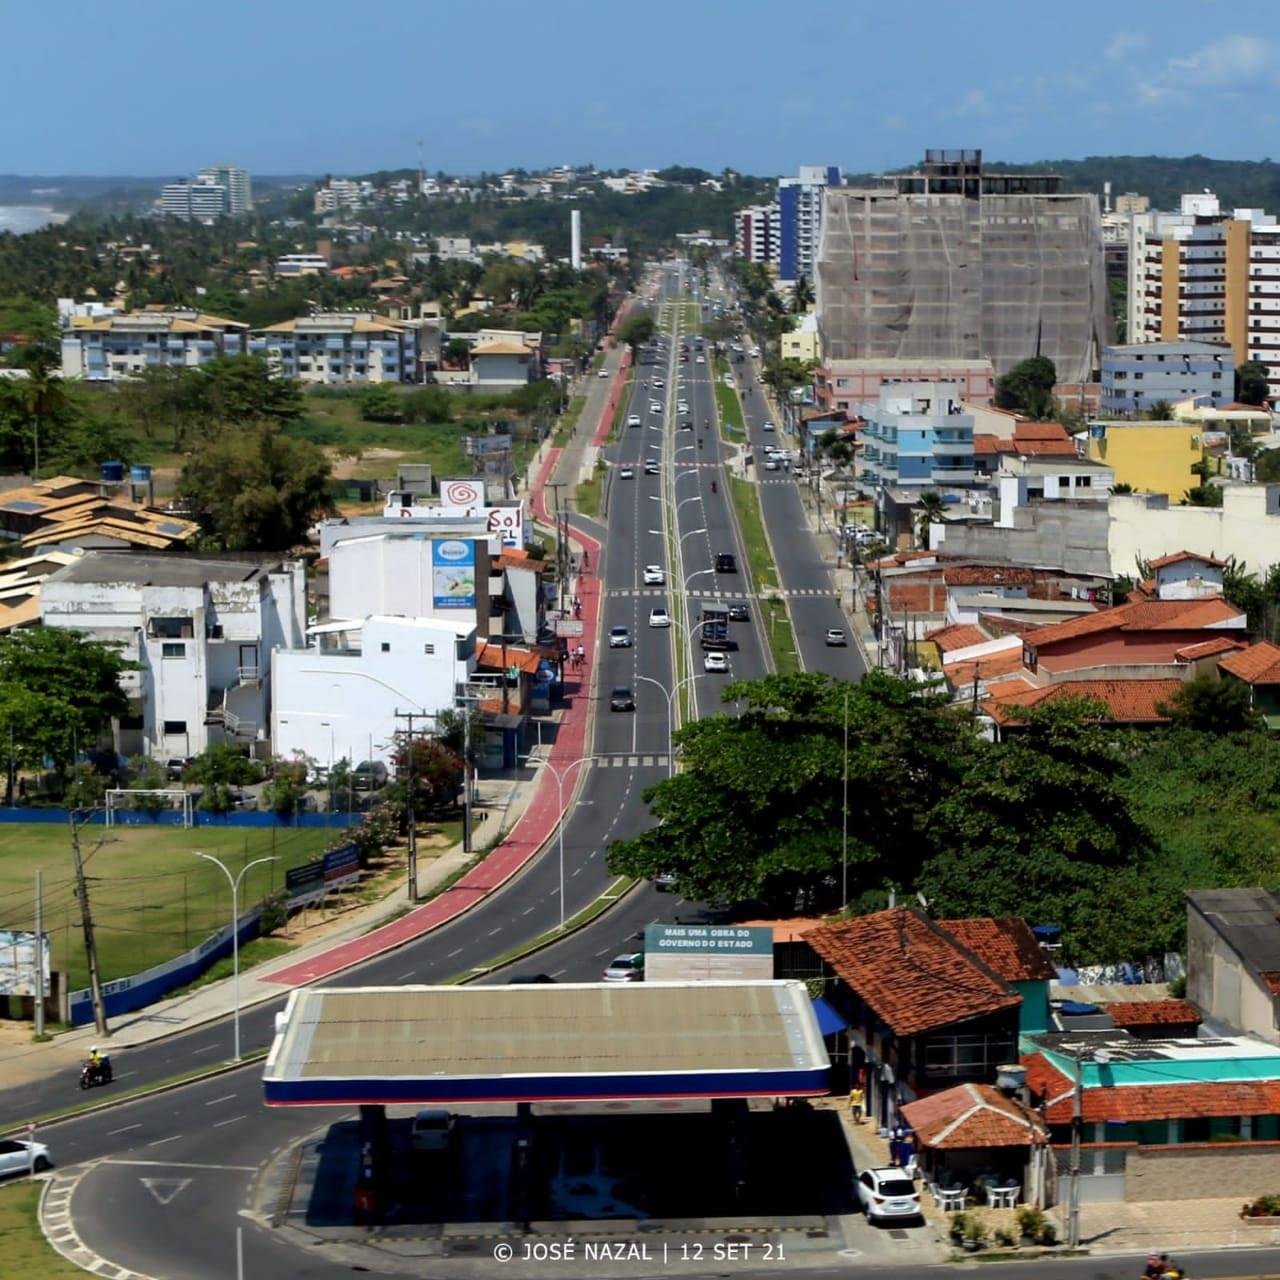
{"points": [[954, 263]]}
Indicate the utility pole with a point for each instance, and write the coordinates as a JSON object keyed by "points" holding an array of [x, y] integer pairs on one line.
{"points": [[561, 546], [411, 817], [466, 776], [1077, 1123], [86, 921], [38, 1005], [844, 834]]}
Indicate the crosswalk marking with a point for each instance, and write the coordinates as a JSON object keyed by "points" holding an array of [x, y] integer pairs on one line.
{"points": [[796, 593], [631, 762]]}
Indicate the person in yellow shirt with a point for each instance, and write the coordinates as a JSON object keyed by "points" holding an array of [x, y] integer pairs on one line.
{"points": [[855, 1103]]}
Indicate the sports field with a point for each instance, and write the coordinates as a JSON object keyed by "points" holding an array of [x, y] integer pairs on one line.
{"points": [[150, 898]]}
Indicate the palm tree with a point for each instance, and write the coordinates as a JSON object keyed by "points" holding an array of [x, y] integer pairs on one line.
{"points": [[802, 296], [42, 397], [929, 511]]}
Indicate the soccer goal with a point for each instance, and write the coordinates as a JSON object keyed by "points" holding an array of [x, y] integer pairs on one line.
{"points": [[125, 798]]}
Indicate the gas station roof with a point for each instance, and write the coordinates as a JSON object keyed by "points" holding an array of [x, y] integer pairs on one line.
{"points": [[552, 1042]]}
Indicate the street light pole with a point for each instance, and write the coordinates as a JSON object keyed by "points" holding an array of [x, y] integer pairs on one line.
{"points": [[559, 775], [234, 882]]}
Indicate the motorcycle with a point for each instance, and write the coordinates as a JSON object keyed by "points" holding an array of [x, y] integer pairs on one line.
{"points": [[92, 1074], [713, 487]]}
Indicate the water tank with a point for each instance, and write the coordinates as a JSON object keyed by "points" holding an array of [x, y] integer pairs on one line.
{"points": [[1011, 1077], [140, 473], [112, 472]]}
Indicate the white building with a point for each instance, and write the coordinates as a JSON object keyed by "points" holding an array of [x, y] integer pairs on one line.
{"points": [[1024, 480], [301, 264], [338, 698], [105, 346], [198, 201], [756, 233], [201, 631], [235, 181]]}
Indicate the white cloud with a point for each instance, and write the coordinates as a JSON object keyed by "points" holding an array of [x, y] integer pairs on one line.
{"points": [[894, 122], [1231, 61], [1123, 43], [974, 103]]}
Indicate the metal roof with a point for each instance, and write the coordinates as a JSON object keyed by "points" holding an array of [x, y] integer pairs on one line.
{"points": [[567, 1041]]}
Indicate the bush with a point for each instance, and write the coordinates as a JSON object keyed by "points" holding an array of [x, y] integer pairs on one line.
{"points": [[275, 912], [1030, 1222], [958, 1223], [1048, 1233], [975, 1229], [1004, 1237]]}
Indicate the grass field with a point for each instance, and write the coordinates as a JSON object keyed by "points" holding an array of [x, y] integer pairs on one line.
{"points": [[764, 574], [151, 899], [26, 1253]]}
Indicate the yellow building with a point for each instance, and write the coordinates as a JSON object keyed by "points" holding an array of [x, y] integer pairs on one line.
{"points": [[802, 342], [1150, 457]]}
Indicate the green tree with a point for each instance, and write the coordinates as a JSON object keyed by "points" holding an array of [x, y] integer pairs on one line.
{"points": [[457, 351], [287, 786], [1211, 705], [436, 770], [1028, 387], [241, 389], [220, 763], [635, 331], [1251, 382], [257, 490], [802, 295], [1160, 411], [58, 693], [931, 509], [379, 403]]}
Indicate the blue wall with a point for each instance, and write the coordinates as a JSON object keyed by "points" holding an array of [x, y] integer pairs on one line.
{"points": [[788, 232], [173, 818]]}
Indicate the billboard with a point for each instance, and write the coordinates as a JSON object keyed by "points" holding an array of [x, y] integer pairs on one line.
{"points": [[18, 963], [707, 952], [453, 574], [463, 492], [341, 867], [305, 883]]}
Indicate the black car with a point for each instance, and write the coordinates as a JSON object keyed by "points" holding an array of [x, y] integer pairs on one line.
{"points": [[527, 979], [622, 699], [738, 613], [725, 563]]}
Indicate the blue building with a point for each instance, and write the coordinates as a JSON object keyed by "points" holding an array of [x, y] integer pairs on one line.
{"points": [[917, 435], [1139, 375], [108, 346], [800, 218]]}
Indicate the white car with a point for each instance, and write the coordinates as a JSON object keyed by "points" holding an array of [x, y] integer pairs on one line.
{"points": [[887, 1193], [633, 420], [604, 373], [651, 468], [659, 617], [658, 384], [700, 360], [654, 575], [22, 1157], [682, 406], [771, 463], [655, 406], [619, 638], [626, 473], [715, 662], [767, 426]]}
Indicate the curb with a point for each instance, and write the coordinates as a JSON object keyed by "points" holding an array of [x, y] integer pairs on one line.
{"points": [[53, 1216]]}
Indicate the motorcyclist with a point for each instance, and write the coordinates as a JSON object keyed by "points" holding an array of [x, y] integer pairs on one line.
{"points": [[713, 486]]}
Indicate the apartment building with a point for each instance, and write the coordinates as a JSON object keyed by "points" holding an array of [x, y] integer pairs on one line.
{"points": [[756, 233], [220, 191], [917, 435], [108, 347], [339, 348], [844, 384], [800, 218], [1210, 276], [201, 630], [1141, 374], [953, 262], [235, 181]]}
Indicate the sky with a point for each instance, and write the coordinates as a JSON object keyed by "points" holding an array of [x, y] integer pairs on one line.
{"points": [[322, 86]]}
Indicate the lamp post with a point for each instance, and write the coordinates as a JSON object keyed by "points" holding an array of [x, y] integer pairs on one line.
{"points": [[559, 774], [671, 696], [234, 882]]}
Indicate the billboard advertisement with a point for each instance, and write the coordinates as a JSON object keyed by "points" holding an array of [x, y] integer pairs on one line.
{"points": [[341, 867], [453, 574], [705, 953], [18, 975], [466, 493]]}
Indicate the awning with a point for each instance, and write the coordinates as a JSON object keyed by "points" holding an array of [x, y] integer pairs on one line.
{"points": [[829, 1020]]}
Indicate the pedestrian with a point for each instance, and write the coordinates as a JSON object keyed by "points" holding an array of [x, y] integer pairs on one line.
{"points": [[582, 656], [856, 1097], [586, 559]]}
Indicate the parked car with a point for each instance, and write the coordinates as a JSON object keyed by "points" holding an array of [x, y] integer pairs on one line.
{"points": [[771, 464], [835, 638], [175, 767], [17, 1156], [622, 699], [528, 979], [369, 775], [716, 663], [619, 638], [654, 575], [887, 1193], [626, 968], [432, 1130]]}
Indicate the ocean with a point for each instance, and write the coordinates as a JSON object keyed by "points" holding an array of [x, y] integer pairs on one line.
{"points": [[21, 218]]}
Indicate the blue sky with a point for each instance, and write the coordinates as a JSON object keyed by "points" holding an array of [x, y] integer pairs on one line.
{"points": [[322, 86]]}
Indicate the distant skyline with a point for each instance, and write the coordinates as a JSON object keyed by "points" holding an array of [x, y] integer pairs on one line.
{"points": [[756, 86]]}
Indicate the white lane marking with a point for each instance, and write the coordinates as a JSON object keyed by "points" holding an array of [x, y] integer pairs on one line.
{"points": [[528, 911], [218, 1124], [178, 1164], [159, 1142], [204, 1048], [111, 1133], [451, 954], [213, 1102], [407, 974]]}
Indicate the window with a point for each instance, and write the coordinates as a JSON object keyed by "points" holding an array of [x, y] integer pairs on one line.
{"points": [[175, 726], [386, 647], [428, 649], [173, 650]]}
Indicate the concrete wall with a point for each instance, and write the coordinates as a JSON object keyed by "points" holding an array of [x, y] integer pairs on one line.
{"points": [[1220, 985], [1060, 535], [1217, 1169]]}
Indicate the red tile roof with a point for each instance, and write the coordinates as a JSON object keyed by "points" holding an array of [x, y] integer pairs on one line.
{"points": [[1004, 663], [1152, 1013], [1005, 945], [972, 1116], [1258, 664], [1145, 615], [1128, 701], [1207, 648], [1041, 431], [1177, 557], [970, 575], [960, 636], [490, 656], [1138, 1102], [910, 971]]}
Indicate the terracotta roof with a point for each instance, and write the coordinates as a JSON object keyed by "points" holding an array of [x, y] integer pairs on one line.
{"points": [[960, 636], [1003, 663], [1137, 1102], [1177, 557], [1152, 1013], [970, 1116], [1258, 664], [490, 656], [1207, 648], [989, 444], [1041, 431], [910, 971], [1005, 945], [787, 930], [1145, 615], [971, 575], [513, 559], [1128, 701]]}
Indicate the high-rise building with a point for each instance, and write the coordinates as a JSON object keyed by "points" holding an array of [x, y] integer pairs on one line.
{"points": [[1208, 276], [237, 182], [800, 218], [954, 262], [756, 233]]}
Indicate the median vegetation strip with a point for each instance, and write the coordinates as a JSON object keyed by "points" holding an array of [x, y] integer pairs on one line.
{"points": [[623, 405], [27, 1254], [764, 575], [728, 406], [588, 492], [568, 420]]}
